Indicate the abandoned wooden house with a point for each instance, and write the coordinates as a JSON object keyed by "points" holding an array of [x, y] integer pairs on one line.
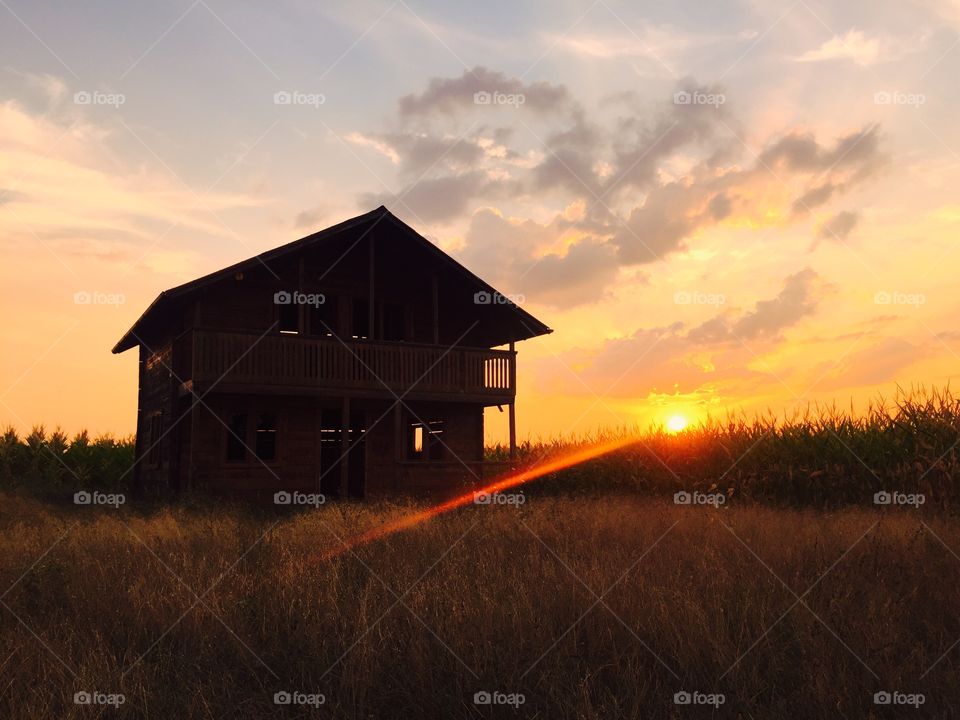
{"points": [[354, 362]]}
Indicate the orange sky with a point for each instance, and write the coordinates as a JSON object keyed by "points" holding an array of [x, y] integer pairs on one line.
{"points": [[724, 210]]}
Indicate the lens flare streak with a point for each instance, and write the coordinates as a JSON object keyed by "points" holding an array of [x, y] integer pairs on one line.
{"points": [[509, 481]]}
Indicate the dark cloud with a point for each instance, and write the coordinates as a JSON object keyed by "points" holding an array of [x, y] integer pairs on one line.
{"points": [[660, 226], [435, 199], [514, 256], [640, 208], [801, 152], [721, 349], [420, 152], [770, 317], [813, 198], [672, 212], [640, 147], [720, 206], [8, 196], [570, 158], [307, 219], [838, 227], [578, 277], [450, 95]]}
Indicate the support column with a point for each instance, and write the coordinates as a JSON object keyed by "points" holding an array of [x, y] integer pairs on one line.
{"points": [[397, 444], [513, 402], [345, 449], [513, 431]]}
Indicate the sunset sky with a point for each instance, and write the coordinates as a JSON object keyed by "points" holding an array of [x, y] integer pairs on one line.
{"points": [[717, 206]]}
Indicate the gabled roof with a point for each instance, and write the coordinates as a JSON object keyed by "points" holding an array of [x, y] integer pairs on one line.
{"points": [[532, 326]]}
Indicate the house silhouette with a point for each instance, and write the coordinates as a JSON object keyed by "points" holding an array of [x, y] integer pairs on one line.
{"points": [[356, 362]]}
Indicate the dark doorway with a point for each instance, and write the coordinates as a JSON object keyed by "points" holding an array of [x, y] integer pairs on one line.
{"points": [[331, 453], [357, 470]]}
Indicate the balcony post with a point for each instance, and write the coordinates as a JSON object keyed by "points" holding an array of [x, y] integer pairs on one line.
{"points": [[397, 444], [513, 402]]}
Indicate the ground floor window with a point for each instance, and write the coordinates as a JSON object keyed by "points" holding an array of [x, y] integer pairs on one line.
{"points": [[155, 444], [425, 440], [257, 427], [237, 437], [266, 444]]}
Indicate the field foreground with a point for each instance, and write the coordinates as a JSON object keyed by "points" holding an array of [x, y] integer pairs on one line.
{"points": [[592, 607]]}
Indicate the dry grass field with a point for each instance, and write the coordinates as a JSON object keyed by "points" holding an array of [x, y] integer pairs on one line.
{"points": [[592, 607]]}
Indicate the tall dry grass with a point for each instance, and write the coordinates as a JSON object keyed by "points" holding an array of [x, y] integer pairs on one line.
{"points": [[490, 598]]}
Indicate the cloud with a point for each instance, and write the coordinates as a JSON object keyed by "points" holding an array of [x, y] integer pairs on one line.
{"points": [[418, 152], [854, 45], [67, 187], [649, 181], [771, 317], [452, 95], [813, 198], [800, 152], [641, 146], [673, 212], [882, 362], [434, 199], [52, 87], [547, 262], [720, 350], [838, 227]]}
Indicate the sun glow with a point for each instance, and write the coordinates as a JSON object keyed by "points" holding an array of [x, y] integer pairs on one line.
{"points": [[677, 423]]}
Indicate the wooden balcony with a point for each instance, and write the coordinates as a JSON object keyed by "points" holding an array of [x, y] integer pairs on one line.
{"points": [[294, 364]]}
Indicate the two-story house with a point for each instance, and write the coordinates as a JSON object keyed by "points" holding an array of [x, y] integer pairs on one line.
{"points": [[355, 362]]}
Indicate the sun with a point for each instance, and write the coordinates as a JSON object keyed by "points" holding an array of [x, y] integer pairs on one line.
{"points": [[676, 423]]}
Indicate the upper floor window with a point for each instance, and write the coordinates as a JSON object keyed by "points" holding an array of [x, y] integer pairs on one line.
{"points": [[361, 319], [288, 318], [324, 317], [394, 321]]}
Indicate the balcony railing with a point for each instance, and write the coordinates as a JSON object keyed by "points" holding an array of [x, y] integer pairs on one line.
{"points": [[236, 360]]}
